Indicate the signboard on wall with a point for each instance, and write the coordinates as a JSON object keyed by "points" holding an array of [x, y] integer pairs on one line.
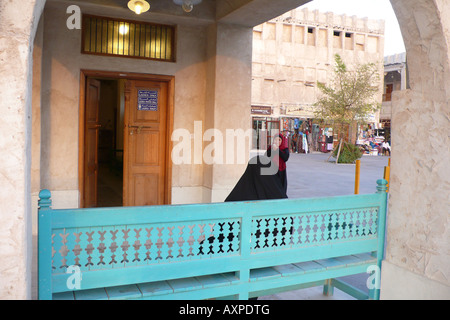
{"points": [[262, 110], [148, 100], [304, 111]]}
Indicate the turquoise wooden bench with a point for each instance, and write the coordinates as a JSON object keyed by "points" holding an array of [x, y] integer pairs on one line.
{"points": [[219, 250]]}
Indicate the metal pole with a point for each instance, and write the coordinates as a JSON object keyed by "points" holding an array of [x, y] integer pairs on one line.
{"points": [[358, 167], [387, 172]]}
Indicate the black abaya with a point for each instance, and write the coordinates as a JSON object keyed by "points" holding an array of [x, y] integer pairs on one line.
{"points": [[256, 186], [284, 156], [253, 185]]}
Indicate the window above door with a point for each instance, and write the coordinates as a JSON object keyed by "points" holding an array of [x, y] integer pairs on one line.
{"points": [[132, 39]]}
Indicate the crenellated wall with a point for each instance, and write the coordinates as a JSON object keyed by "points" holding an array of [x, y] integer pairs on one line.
{"points": [[294, 51]]}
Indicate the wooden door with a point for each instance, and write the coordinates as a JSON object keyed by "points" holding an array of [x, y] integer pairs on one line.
{"points": [[92, 127], [145, 138], [389, 89]]}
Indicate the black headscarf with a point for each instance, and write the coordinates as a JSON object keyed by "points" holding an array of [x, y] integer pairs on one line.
{"points": [[255, 185]]}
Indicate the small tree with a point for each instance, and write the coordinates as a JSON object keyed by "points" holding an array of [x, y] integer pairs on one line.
{"points": [[351, 96]]}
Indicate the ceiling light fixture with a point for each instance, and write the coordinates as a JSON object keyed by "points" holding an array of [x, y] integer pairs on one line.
{"points": [[187, 5], [138, 6]]}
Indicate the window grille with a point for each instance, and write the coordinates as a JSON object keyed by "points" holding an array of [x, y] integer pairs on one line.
{"points": [[107, 36]]}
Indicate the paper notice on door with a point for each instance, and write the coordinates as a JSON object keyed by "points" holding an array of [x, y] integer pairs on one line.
{"points": [[148, 100]]}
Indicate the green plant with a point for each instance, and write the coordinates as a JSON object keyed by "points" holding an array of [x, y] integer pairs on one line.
{"points": [[350, 97], [349, 153]]}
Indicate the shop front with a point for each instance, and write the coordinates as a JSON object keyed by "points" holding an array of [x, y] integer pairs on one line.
{"points": [[306, 134], [372, 138]]}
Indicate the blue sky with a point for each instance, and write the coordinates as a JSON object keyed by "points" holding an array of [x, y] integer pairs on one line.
{"points": [[373, 9]]}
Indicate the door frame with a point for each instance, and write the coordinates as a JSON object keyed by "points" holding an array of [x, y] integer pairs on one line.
{"points": [[170, 80]]}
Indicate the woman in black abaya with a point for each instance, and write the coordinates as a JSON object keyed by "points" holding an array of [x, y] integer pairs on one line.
{"points": [[265, 176]]}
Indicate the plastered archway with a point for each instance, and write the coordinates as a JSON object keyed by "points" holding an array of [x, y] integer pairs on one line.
{"points": [[417, 262], [417, 259]]}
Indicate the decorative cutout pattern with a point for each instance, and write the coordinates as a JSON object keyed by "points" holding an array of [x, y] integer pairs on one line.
{"points": [[303, 230], [127, 245], [133, 245]]}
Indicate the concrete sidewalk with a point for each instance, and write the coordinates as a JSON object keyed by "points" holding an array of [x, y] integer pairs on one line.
{"points": [[317, 175], [313, 175]]}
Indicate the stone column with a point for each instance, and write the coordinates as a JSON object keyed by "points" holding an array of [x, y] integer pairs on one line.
{"points": [[228, 101], [18, 24]]}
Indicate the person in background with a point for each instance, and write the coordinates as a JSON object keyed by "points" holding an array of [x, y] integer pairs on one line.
{"points": [[294, 142], [386, 148]]}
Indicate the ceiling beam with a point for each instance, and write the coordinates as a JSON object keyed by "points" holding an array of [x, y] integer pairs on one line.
{"points": [[251, 13]]}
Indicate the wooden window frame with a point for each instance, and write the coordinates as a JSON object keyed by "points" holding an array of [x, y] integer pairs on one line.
{"points": [[170, 43]]}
